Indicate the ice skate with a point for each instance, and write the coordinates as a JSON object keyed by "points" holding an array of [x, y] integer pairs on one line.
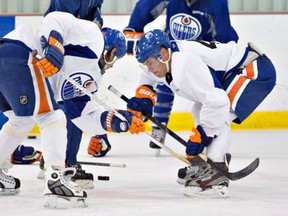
{"points": [[81, 178], [9, 185], [187, 173], [159, 135], [62, 193], [205, 181]]}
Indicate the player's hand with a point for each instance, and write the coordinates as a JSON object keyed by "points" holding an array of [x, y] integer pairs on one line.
{"points": [[53, 54], [99, 146], [197, 142], [112, 123], [144, 100], [132, 40]]}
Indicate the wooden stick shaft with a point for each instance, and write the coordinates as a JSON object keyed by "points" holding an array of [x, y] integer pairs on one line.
{"points": [[102, 164]]}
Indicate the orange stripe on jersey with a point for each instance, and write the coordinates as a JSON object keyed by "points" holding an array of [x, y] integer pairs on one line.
{"points": [[234, 90], [44, 104], [250, 70]]}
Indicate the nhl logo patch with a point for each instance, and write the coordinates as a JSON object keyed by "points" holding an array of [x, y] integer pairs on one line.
{"points": [[23, 99]]}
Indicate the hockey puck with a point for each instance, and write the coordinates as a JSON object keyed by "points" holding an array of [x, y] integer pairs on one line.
{"points": [[103, 178], [32, 137]]}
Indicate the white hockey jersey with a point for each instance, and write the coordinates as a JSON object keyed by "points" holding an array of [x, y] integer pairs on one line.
{"points": [[197, 69], [84, 44]]}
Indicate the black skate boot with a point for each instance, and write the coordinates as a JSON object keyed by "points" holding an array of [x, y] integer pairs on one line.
{"points": [[159, 135], [205, 181], [186, 173], [81, 178]]}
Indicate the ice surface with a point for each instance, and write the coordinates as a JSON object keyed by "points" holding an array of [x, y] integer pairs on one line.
{"points": [[147, 186]]}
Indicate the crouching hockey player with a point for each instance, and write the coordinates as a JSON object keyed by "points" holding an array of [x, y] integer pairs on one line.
{"points": [[185, 20], [33, 99], [87, 72], [220, 79], [87, 10], [72, 104]]}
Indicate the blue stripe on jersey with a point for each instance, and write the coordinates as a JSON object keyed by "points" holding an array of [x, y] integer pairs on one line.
{"points": [[80, 51], [3, 120], [216, 79]]}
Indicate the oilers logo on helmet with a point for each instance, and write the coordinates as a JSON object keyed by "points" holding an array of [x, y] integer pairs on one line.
{"points": [[69, 91], [184, 27]]}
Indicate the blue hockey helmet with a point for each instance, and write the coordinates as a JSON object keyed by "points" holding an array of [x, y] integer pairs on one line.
{"points": [[150, 44], [114, 38]]}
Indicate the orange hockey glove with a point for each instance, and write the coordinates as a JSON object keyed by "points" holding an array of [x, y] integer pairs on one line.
{"points": [[144, 100], [54, 54], [112, 123], [99, 146]]}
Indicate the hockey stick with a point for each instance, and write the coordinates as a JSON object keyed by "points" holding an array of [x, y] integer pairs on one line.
{"points": [[232, 176], [282, 87], [102, 164], [94, 98]]}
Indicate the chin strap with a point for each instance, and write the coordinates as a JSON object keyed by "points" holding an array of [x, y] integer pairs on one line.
{"points": [[107, 62]]}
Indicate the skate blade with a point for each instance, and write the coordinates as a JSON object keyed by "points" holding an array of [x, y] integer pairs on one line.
{"points": [[62, 202], [181, 181], [8, 192], [217, 191], [157, 152], [85, 184], [41, 174]]}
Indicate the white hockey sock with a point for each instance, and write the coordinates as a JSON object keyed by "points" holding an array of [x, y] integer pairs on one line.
{"points": [[9, 140], [53, 137]]}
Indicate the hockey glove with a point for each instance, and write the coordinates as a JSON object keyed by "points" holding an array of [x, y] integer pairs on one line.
{"points": [[54, 54], [197, 142], [99, 146], [132, 40], [112, 123], [25, 155], [144, 100]]}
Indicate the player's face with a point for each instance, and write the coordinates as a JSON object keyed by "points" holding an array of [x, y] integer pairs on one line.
{"points": [[156, 67]]}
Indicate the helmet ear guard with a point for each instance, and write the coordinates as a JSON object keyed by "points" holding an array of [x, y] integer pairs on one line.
{"points": [[150, 43]]}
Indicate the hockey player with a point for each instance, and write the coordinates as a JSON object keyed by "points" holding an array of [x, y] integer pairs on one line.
{"points": [[185, 20], [33, 97], [220, 79], [87, 10], [114, 49]]}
